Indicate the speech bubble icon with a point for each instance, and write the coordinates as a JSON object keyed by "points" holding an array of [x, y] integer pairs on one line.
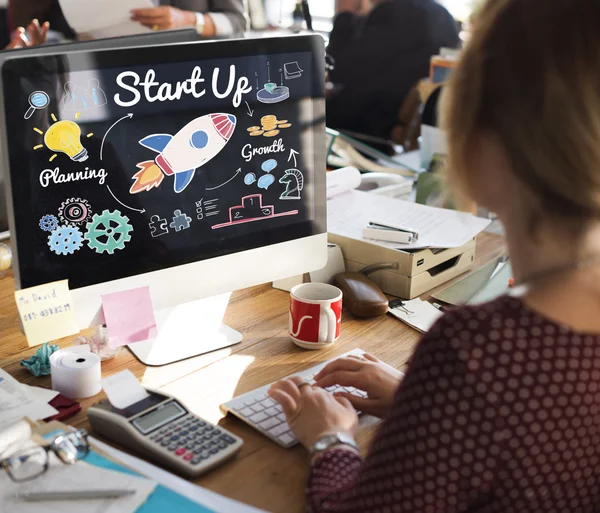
{"points": [[264, 182], [250, 178], [269, 165]]}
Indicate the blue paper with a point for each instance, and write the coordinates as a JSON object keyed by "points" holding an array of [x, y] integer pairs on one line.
{"points": [[161, 500]]}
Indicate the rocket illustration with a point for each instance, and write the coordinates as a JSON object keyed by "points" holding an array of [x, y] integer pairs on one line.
{"points": [[180, 155]]}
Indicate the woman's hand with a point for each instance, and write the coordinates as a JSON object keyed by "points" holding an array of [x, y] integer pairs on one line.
{"points": [[366, 373], [34, 35], [164, 17], [312, 412]]}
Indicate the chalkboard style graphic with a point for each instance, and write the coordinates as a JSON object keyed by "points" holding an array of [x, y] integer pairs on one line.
{"points": [[250, 178], [108, 232], [75, 211], [77, 98], [180, 221], [252, 210], [180, 155], [292, 70], [272, 93], [270, 127], [211, 207], [264, 182], [65, 240], [294, 181], [37, 100], [49, 223], [268, 165], [158, 226], [65, 137]]}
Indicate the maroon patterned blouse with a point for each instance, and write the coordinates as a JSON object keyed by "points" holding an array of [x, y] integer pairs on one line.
{"points": [[498, 412]]}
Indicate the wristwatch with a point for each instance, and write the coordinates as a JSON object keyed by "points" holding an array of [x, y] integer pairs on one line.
{"points": [[332, 440], [199, 23]]}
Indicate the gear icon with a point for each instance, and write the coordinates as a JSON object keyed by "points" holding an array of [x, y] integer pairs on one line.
{"points": [[49, 223], [75, 211], [65, 240], [108, 232]]}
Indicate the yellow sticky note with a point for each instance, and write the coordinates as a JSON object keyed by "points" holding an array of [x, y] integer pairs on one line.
{"points": [[46, 312]]}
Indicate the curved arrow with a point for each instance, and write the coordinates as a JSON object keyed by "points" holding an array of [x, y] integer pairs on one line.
{"points": [[126, 206], [130, 115], [293, 154], [219, 186]]}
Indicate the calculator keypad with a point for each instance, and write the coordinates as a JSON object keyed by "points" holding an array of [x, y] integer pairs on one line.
{"points": [[192, 439]]}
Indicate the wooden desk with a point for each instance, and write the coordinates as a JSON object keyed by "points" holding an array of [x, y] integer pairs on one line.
{"points": [[263, 475]]}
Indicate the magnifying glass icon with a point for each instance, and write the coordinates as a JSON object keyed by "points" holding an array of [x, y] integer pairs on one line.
{"points": [[37, 100]]}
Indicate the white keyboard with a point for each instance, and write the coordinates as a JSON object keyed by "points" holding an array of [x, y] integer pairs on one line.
{"points": [[265, 415]]}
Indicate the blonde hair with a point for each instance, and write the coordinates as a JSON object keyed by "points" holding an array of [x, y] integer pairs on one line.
{"points": [[530, 77]]}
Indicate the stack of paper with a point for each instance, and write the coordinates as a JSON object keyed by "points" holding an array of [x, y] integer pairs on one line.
{"points": [[108, 18], [349, 213], [18, 401], [418, 314]]}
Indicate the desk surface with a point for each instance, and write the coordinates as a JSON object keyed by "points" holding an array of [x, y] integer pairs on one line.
{"points": [[263, 474]]}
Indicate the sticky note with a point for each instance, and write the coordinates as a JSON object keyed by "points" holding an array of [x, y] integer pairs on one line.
{"points": [[129, 316], [46, 312]]}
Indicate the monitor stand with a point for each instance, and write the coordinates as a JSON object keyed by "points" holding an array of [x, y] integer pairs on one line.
{"points": [[186, 331]]}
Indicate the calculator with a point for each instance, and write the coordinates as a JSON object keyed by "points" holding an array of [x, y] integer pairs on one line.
{"points": [[162, 429]]}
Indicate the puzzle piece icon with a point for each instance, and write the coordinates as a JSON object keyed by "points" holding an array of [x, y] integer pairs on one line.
{"points": [[158, 226], [180, 221]]}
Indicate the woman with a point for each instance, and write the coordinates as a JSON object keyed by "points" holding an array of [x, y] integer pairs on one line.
{"points": [[499, 409]]}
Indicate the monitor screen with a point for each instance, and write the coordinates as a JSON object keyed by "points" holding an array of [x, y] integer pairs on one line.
{"points": [[131, 161]]}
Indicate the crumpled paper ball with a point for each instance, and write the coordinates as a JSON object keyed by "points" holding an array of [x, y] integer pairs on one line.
{"points": [[98, 343], [39, 363]]}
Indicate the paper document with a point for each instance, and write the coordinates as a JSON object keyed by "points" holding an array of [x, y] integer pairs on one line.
{"points": [[129, 316], [16, 402], [199, 495], [106, 18], [46, 312], [418, 314], [81, 476], [123, 389], [349, 213]]}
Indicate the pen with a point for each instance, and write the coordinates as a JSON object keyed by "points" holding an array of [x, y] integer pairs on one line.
{"points": [[439, 307], [74, 495]]}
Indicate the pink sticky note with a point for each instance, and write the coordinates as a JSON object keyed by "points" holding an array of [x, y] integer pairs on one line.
{"points": [[129, 316]]}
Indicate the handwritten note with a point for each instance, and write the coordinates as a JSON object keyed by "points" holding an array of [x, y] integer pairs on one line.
{"points": [[46, 312], [129, 316]]}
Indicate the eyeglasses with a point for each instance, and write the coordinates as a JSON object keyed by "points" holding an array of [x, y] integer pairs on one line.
{"points": [[31, 462]]}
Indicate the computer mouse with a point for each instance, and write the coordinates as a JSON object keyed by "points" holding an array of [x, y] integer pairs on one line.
{"points": [[362, 297]]}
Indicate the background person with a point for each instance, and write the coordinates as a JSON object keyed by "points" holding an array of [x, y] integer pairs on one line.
{"points": [[213, 17], [498, 410], [380, 54]]}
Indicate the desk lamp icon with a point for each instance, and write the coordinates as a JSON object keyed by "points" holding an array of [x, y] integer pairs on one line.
{"points": [[37, 100], [64, 136]]}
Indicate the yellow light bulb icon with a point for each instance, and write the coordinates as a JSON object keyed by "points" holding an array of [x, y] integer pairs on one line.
{"points": [[64, 136]]}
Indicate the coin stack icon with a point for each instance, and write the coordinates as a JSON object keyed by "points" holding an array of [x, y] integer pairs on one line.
{"points": [[270, 127]]}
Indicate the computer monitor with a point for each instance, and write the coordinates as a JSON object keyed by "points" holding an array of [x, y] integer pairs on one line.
{"points": [[154, 38], [194, 169]]}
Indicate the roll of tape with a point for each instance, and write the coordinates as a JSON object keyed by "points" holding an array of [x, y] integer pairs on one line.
{"points": [[76, 372]]}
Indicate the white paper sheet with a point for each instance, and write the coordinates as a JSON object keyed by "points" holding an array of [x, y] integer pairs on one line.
{"points": [[42, 394], [17, 402], [418, 314], [123, 389], [105, 18], [350, 212], [342, 180], [80, 476], [199, 495]]}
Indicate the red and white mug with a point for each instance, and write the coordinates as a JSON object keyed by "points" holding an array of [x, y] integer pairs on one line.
{"points": [[315, 315]]}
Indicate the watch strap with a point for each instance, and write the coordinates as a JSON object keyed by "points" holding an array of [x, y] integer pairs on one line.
{"points": [[200, 22]]}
